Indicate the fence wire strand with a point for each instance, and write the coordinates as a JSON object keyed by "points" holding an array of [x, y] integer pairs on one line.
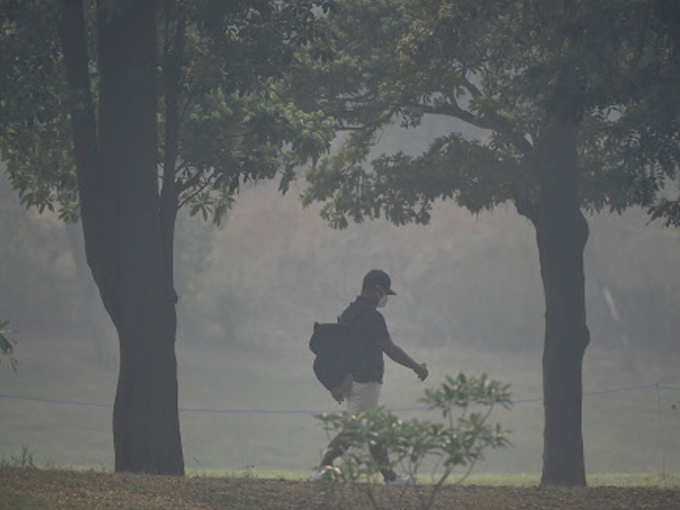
{"points": [[536, 400]]}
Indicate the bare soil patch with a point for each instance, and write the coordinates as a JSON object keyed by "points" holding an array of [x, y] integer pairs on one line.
{"points": [[30, 488]]}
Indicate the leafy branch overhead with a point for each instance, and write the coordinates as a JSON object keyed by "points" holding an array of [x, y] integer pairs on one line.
{"points": [[499, 69], [227, 116]]}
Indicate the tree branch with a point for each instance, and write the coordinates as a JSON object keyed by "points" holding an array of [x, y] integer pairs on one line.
{"points": [[172, 82], [491, 122], [191, 181], [73, 37], [526, 208], [471, 87], [179, 168], [381, 120], [340, 127], [196, 192], [453, 110], [97, 205]]}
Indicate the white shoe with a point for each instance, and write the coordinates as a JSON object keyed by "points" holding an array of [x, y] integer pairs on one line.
{"points": [[324, 473], [402, 481], [316, 476]]}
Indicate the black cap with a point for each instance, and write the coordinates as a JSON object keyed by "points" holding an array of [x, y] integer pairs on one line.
{"points": [[378, 277]]}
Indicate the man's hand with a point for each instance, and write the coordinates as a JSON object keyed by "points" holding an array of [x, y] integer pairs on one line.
{"points": [[343, 390], [421, 371]]}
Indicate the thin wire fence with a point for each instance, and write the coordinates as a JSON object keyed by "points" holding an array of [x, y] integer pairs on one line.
{"points": [[656, 409], [536, 400]]}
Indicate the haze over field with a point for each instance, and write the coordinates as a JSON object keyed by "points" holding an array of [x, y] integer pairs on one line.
{"points": [[469, 299], [170, 177]]}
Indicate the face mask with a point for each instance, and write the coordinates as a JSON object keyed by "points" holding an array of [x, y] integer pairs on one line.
{"points": [[382, 301]]}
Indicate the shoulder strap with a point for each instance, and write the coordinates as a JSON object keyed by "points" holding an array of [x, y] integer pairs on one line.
{"points": [[353, 317]]}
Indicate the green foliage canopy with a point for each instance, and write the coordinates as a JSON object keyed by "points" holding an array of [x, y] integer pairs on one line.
{"points": [[650, 125], [498, 67], [236, 121]]}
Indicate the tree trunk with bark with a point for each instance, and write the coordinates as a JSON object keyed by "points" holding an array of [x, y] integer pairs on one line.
{"points": [[116, 159], [561, 235]]}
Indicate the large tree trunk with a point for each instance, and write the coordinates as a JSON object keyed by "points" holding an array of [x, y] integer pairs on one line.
{"points": [[118, 184], [561, 234]]}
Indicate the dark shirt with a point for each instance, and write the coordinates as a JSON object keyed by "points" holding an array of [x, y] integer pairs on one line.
{"points": [[368, 330]]}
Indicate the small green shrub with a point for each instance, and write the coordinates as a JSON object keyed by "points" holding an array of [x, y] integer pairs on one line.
{"points": [[24, 459], [458, 441]]}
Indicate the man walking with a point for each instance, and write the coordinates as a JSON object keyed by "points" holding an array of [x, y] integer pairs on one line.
{"points": [[371, 338]]}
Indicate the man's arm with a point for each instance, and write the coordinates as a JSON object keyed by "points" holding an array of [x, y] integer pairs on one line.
{"points": [[398, 355]]}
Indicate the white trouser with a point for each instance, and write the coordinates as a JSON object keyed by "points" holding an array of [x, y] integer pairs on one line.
{"points": [[363, 397]]}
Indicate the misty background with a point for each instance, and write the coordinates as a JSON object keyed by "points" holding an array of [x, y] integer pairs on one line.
{"points": [[469, 299]]}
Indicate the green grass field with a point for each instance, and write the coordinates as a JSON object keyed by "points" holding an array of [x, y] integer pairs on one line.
{"points": [[659, 480], [628, 432]]}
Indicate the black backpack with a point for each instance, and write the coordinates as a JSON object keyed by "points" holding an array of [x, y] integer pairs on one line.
{"points": [[332, 344]]}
